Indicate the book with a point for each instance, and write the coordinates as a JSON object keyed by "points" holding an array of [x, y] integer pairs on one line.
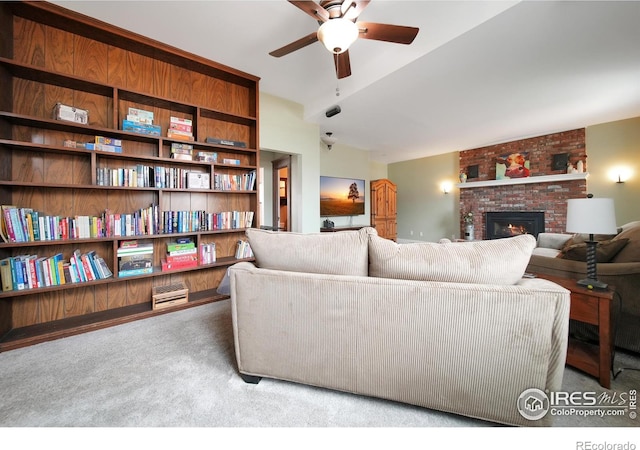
{"points": [[141, 128], [134, 262], [212, 140], [180, 135], [180, 246], [207, 253], [104, 267], [108, 141], [168, 265], [5, 274], [140, 116], [183, 258], [5, 223], [142, 271], [243, 250]]}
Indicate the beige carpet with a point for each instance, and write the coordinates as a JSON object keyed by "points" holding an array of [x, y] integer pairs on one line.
{"points": [[178, 370]]}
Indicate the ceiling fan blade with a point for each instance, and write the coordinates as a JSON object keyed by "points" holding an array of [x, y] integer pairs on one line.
{"points": [[296, 45], [385, 32], [343, 65], [313, 9], [351, 9]]}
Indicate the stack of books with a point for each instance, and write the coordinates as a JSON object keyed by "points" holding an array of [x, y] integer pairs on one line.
{"points": [[141, 121], [134, 258], [181, 129], [180, 255], [181, 151]]}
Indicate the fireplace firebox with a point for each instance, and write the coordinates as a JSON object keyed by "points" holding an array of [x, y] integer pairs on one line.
{"points": [[512, 223]]}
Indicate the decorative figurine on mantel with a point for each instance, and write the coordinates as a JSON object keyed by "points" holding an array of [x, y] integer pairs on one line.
{"points": [[463, 177]]}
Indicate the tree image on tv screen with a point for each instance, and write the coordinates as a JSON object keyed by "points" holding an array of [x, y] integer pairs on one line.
{"points": [[353, 192], [341, 196]]}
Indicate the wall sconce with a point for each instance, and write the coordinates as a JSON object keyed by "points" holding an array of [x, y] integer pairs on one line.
{"points": [[620, 174], [445, 186]]}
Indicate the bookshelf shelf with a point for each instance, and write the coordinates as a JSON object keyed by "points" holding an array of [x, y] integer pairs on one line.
{"points": [[108, 72]]}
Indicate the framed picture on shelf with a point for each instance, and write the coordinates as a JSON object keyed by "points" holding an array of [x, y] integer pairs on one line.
{"points": [[472, 171], [560, 161], [513, 165]]}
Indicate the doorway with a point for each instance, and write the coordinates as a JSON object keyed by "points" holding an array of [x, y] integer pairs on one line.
{"points": [[282, 194]]}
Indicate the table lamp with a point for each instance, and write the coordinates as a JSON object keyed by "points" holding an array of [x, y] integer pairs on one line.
{"points": [[591, 216]]}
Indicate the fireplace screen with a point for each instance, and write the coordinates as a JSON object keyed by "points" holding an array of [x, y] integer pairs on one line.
{"points": [[513, 223]]}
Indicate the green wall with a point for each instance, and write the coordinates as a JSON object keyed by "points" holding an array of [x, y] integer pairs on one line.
{"points": [[425, 213], [611, 146]]}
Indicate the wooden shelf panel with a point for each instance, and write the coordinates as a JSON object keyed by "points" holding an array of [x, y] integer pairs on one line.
{"points": [[42, 75], [527, 180], [34, 334], [71, 127]]}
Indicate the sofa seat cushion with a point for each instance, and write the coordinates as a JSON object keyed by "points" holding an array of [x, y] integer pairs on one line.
{"points": [[499, 261], [548, 252], [631, 251], [339, 253], [605, 250]]}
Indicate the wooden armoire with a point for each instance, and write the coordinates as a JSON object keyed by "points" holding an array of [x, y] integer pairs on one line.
{"points": [[383, 208]]}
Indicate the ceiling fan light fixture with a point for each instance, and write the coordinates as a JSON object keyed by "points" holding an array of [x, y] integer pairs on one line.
{"points": [[338, 34]]}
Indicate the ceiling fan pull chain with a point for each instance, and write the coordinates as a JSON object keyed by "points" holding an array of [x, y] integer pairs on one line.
{"points": [[338, 79]]}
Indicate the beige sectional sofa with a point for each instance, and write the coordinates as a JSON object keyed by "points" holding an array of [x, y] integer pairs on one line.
{"points": [[618, 259], [452, 327]]}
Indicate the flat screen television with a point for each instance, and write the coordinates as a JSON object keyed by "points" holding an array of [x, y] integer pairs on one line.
{"points": [[341, 196]]}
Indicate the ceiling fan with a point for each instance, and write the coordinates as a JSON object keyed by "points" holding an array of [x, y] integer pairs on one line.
{"points": [[339, 29]]}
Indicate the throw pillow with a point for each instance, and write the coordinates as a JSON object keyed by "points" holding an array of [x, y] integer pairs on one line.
{"points": [[499, 261], [631, 251], [338, 253], [605, 250]]}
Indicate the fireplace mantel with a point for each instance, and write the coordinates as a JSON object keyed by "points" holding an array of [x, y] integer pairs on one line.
{"points": [[527, 180]]}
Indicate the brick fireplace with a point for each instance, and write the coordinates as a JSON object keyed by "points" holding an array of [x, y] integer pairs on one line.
{"points": [[548, 196]]}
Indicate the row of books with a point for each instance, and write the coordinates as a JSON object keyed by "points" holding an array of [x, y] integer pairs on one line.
{"points": [[28, 225], [143, 176], [242, 182], [30, 271]]}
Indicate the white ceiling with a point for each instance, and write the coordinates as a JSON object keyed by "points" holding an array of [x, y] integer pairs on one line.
{"points": [[478, 73]]}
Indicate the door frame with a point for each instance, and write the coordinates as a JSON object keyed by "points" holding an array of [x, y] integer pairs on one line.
{"points": [[277, 165]]}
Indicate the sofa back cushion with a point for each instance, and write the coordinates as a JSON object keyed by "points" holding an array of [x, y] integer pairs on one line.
{"points": [[631, 251], [339, 253], [499, 261]]}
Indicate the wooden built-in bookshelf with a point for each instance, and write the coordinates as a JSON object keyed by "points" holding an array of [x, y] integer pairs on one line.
{"points": [[51, 55]]}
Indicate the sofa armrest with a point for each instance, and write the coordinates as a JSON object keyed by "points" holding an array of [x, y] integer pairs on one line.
{"points": [[553, 240]]}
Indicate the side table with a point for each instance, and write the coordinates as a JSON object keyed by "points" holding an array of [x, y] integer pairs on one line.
{"points": [[593, 307]]}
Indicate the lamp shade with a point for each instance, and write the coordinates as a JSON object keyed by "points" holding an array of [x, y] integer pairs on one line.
{"points": [[591, 216], [338, 34]]}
